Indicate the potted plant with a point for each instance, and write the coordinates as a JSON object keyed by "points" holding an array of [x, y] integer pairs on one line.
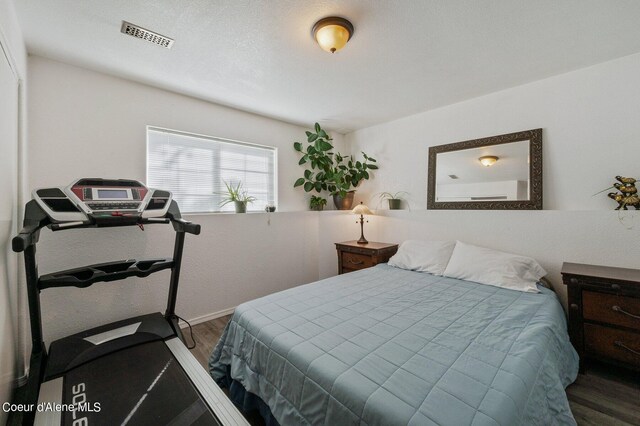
{"points": [[237, 195], [317, 203], [329, 171], [395, 200]]}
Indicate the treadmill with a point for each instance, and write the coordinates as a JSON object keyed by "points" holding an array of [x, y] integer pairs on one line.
{"points": [[132, 372]]}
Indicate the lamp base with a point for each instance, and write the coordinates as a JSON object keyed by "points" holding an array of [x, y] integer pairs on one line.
{"points": [[362, 239]]}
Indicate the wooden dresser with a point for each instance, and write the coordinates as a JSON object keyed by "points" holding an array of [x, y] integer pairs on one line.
{"points": [[353, 256], [604, 313]]}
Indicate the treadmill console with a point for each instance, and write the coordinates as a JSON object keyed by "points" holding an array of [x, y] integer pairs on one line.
{"points": [[98, 200]]}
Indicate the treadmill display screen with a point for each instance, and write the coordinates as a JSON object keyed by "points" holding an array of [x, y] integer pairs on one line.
{"points": [[112, 193]]}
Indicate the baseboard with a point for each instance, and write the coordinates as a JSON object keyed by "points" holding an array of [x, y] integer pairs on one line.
{"points": [[208, 317]]}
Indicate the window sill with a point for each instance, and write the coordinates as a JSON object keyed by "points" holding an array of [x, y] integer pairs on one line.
{"points": [[323, 212]]}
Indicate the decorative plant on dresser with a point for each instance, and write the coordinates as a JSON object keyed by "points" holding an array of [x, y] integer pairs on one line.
{"points": [[329, 171], [628, 195]]}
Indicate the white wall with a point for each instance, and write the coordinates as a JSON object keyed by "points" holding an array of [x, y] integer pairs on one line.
{"points": [[505, 190], [591, 134], [88, 123], [84, 123], [12, 71], [11, 36]]}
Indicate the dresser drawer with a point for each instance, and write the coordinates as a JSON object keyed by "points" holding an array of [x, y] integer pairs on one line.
{"points": [[611, 309], [612, 343], [356, 261]]}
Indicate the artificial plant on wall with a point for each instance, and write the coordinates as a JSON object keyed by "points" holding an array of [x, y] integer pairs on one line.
{"points": [[329, 171]]}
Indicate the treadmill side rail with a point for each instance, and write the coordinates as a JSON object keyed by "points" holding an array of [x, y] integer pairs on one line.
{"points": [[50, 392], [209, 390]]}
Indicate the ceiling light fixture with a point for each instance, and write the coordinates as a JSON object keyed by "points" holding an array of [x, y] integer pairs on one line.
{"points": [[332, 33], [488, 160]]}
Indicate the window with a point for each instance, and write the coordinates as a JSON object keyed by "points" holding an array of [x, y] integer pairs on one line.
{"points": [[194, 168]]}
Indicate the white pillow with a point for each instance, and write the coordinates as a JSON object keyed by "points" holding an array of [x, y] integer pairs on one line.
{"points": [[423, 256], [496, 268]]}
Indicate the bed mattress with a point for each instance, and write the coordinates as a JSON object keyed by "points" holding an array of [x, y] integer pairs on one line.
{"points": [[387, 346]]}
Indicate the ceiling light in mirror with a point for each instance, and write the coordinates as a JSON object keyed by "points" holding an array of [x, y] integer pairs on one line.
{"points": [[488, 160]]}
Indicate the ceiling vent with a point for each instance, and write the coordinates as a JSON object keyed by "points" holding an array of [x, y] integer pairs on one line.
{"points": [[141, 33]]}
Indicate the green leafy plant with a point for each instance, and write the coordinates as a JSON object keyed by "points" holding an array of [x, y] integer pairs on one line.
{"points": [[396, 196], [395, 200], [317, 203], [235, 194], [329, 171]]}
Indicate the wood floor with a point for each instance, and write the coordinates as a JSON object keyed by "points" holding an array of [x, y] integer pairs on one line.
{"points": [[206, 335], [603, 396]]}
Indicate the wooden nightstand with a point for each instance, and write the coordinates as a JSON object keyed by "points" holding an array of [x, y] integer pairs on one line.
{"points": [[353, 256], [604, 313]]}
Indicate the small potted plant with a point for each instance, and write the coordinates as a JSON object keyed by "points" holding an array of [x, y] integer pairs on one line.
{"points": [[236, 195], [395, 200], [317, 203]]}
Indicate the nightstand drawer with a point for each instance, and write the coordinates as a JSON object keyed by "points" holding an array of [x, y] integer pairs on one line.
{"points": [[612, 343], [611, 309], [353, 256], [356, 261]]}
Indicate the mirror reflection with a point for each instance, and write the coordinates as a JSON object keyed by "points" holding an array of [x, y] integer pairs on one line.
{"points": [[502, 172], [487, 173]]}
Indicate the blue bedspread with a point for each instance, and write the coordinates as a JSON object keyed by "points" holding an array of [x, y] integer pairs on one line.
{"points": [[386, 346]]}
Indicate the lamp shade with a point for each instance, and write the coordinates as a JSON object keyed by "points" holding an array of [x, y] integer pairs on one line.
{"points": [[361, 209]]}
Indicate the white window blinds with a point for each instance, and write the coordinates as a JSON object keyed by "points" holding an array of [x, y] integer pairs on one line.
{"points": [[194, 169]]}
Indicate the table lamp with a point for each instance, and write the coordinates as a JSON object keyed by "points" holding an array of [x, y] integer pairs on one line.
{"points": [[361, 209]]}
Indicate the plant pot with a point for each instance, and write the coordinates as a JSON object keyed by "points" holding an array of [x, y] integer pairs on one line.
{"points": [[241, 206], [317, 208], [344, 203], [395, 203]]}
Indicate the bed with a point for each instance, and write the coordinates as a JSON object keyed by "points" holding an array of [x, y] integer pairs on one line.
{"points": [[388, 346]]}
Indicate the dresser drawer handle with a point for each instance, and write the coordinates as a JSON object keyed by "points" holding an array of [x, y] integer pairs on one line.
{"points": [[625, 347], [356, 263], [622, 311]]}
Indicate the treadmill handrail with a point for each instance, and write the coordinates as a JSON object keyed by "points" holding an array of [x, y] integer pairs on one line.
{"points": [[86, 276], [35, 219]]}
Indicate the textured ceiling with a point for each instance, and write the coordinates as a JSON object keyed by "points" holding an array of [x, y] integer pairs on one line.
{"points": [[406, 56]]}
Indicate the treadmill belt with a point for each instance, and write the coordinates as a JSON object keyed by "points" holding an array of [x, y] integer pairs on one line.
{"points": [[140, 385]]}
